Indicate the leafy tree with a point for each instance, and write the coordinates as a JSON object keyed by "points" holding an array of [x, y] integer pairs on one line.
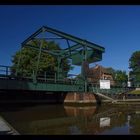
{"points": [[28, 59], [134, 65], [121, 78]]}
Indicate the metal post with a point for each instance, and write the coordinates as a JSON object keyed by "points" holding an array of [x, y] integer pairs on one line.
{"points": [[39, 55], [85, 59], [68, 46], [33, 77], [6, 71], [55, 77], [45, 75], [58, 68]]}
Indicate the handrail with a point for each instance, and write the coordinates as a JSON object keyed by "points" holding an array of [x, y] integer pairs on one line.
{"points": [[104, 96]]}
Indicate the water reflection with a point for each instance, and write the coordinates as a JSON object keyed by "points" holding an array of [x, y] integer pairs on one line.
{"points": [[69, 120], [104, 121], [86, 111]]}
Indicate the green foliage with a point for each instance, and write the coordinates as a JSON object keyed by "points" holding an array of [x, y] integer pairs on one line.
{"points": [[121, 78], [134, 61], [28, 59], [134, 65]]}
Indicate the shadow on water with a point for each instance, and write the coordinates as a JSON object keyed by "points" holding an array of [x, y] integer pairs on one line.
{"points": [[6, 107], [19, 100]]}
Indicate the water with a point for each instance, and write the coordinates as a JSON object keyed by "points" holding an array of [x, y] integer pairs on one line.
{"points": [[49, 119]]}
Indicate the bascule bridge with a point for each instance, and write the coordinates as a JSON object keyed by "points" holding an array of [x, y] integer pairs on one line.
{"points": [[80, 51]]}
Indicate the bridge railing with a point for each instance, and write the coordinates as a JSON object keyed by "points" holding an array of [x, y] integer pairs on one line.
{"points": [[5, 70], [113, 89], [52, 78], [48, 77]]}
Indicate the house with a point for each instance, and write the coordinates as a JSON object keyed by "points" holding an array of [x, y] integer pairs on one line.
{"points": [[99, 72]]}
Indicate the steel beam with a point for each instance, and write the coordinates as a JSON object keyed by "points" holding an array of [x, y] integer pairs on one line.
{"points": [[65, 36], [75, 39]]}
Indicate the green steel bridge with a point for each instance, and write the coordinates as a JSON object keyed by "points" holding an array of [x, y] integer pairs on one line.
{"points": [[80, 51]]}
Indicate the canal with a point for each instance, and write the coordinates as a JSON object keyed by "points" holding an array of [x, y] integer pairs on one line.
{"points": [[58, 119]]}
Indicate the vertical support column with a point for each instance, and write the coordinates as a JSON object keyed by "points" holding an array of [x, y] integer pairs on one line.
{"points": [[33, 77], [45, 75], [55, 77], [58, 68], [6, 70], [39, 55], [84, 67], [69, 47], [83, 70]]}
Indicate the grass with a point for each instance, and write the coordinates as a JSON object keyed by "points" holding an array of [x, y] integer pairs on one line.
{"points": [[134, 92]]}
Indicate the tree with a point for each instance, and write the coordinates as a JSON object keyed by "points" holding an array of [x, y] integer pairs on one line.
{"points": [[121, 78], [134, 65], [29, 57]]}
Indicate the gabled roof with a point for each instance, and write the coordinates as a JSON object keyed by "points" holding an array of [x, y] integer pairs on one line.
{"points": [[101, 69]]}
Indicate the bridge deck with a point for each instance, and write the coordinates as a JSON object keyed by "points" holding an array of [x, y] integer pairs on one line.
{"points": [[14, 84]]}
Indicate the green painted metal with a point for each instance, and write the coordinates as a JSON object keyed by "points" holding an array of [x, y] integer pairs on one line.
{"points": [[14, 84], [77, 58], [112, 90], [9, 82], [81, 52], [64, 35]]}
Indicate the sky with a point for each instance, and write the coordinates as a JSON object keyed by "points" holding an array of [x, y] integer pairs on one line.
{"points": [[114, 27]]}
